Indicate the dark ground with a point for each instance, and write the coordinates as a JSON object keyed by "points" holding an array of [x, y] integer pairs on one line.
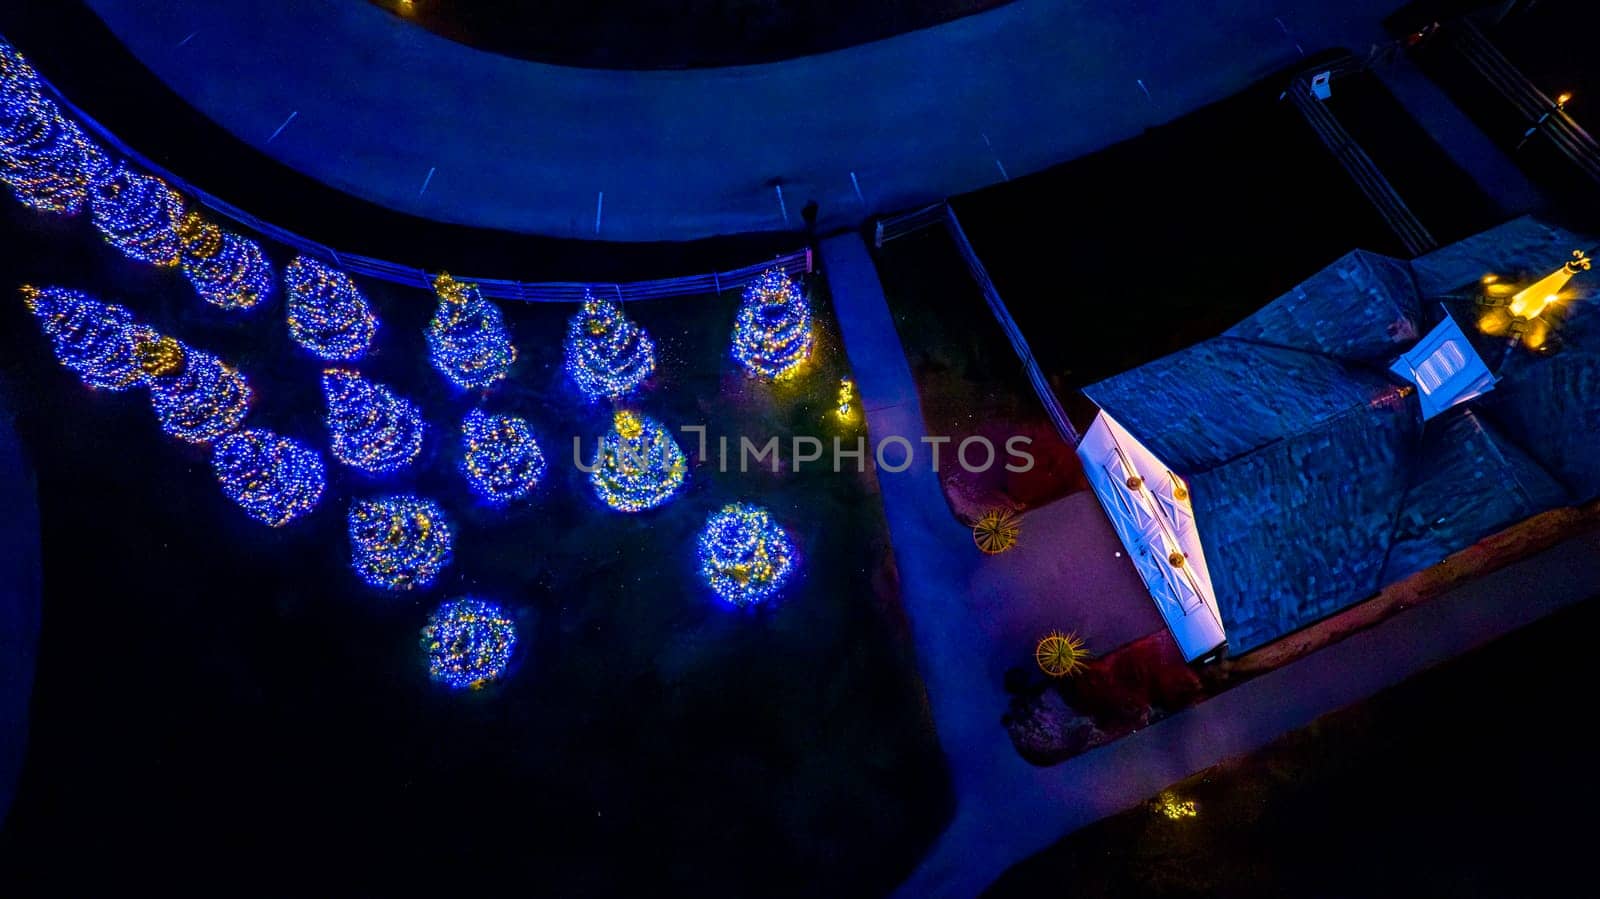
{"points": [[674, 34], [222, 703], [1173, 237], [1470, 780], [1545, 43], [969, 380]]}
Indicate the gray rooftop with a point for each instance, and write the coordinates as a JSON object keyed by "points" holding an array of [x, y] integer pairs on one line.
{"points": [[1313, 479]]}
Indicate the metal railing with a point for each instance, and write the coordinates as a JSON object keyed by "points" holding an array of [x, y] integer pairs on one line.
{"points": [[1544, 113], [792, 264], [895, 226], [1019, 343], [1355, 161]]}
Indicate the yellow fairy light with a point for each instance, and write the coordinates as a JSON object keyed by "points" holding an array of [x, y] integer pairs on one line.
{"points": [[159, 356], [1535, 298], [1174, 809], [628, 423]]}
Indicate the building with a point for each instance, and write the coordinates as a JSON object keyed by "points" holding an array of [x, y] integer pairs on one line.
{"points": [[1354, 431]]}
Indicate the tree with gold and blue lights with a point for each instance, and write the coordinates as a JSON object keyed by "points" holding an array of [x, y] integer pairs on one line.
{"points": [[639, 466], [227, 271], [501, 459], [371, 427], [468, 642], [772, 331], [197, 397], [607, 354], [45, 158], [745, 555], [94, 340], [274, 479], [327, 312], [139, 215], [399, 542], [16, 77], [467, 338]]}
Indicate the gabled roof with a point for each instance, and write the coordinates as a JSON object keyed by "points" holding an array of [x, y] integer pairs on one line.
{"points": [[1263, 393], [1362, 308], [1472, 482], [1299, 528], [1313, 478]]}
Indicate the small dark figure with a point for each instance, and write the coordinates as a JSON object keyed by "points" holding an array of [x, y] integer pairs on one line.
{"points": [[809, 213]]}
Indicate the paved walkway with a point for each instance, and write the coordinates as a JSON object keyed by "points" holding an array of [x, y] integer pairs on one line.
{"points": [[1007, 809], [379, 104]]}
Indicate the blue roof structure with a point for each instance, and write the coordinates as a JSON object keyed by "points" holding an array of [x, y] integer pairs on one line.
{"points": [[1314, 477]]}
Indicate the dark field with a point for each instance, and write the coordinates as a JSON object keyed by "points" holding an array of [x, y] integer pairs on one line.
{"points": [[1157, 243], [1460, 782], [223, 704]]}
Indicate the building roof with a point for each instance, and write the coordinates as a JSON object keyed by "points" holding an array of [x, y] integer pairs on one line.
{"points": [[1314, 480]]}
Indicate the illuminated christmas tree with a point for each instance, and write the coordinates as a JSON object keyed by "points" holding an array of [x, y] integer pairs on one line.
{"points": [[199, 398], [228, 271], [501, 460], [328, 314], [469, 643], [467, 337], [639, 465], [45, 158], [16, 74], [607, 355], [772, 331], [139, 215], [745, 556], [372, 428], [273, 479], [399, 542], [95, 340]]}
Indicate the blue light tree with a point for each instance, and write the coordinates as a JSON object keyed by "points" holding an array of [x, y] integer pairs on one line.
{"points": [[328, 314], [745, 555], [467, 338], [399, 542], [94, 340], [501, 459], [227, 271], [372, 428], [204, 399], [45, 158], [469, 643], [639, 466], [139, 215], [607, 355], [772, 330], [274, 479]]}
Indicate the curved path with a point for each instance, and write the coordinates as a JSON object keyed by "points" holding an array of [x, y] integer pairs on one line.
{"points": [[366, 103], [19, 604], [1007, 809]]}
